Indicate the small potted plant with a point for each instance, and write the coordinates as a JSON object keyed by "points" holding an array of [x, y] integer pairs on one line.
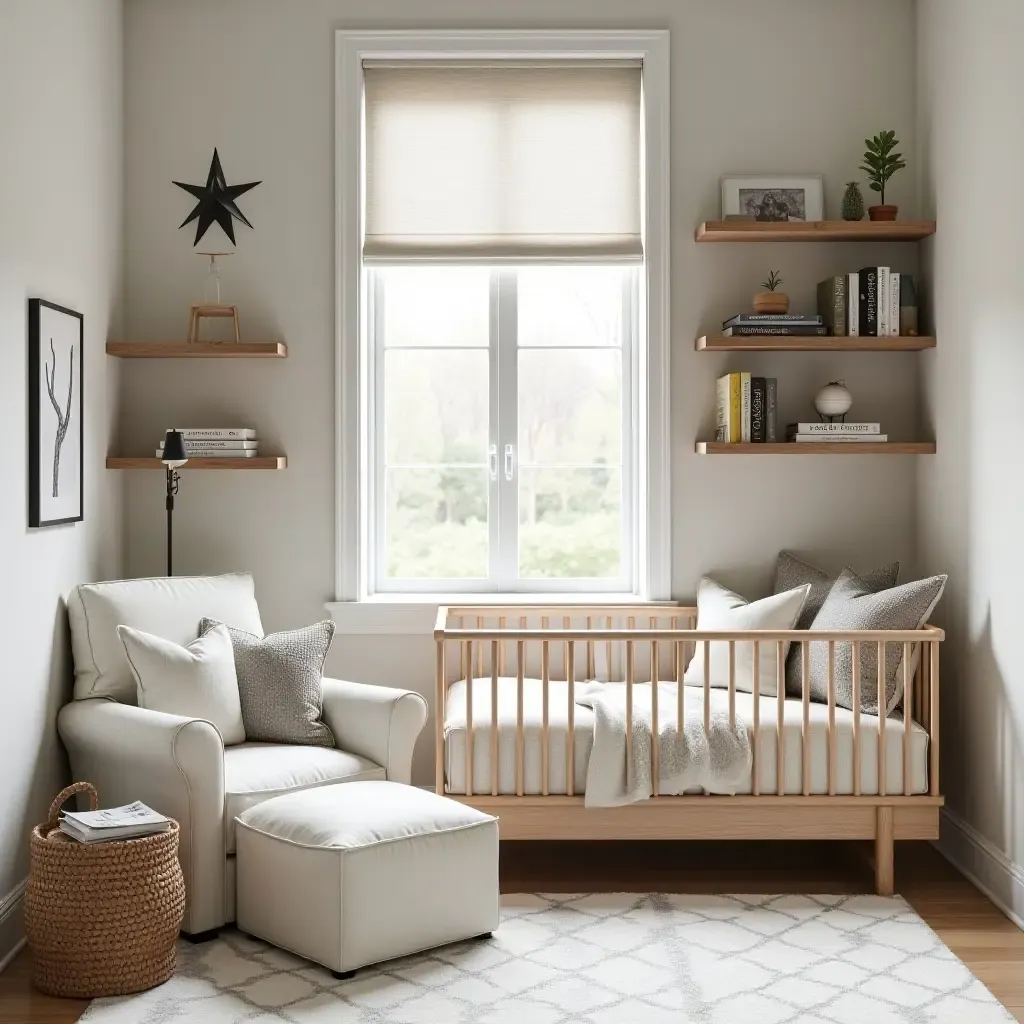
{"points": [[881, 163], [771, 300]]}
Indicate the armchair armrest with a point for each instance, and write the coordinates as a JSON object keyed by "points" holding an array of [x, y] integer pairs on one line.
{"points": [[174, 764], [375, 722]]}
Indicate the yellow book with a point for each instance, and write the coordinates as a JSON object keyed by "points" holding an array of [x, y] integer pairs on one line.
{"points": [[729, 408], [735, 408]]}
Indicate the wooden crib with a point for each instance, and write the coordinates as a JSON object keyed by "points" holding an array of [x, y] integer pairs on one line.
{"points": [[562, 645]]}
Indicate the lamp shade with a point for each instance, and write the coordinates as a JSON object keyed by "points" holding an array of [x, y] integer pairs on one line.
{"points": [[174, 450]]}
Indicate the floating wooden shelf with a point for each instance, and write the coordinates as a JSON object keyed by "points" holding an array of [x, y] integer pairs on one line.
{"points": [[815, 231], [804, 343], [819, 448], [260, 462], [197, 350]]}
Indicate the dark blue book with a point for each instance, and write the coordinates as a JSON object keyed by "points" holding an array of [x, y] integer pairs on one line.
{"points": [[869, 301], [787, 330], [758, 410], [774, 319], [771, 391]]}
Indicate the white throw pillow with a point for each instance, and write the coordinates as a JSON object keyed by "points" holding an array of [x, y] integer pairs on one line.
{"points": [[196, 681], [719, 608]]}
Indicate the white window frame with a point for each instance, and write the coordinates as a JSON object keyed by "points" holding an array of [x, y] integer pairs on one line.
{"points": [[354, 400]]}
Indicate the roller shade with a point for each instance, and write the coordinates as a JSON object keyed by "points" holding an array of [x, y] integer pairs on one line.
{"points": [[526, 163]]}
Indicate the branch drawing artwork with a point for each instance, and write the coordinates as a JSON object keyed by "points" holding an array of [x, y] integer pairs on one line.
{"points": [[62, 418]]}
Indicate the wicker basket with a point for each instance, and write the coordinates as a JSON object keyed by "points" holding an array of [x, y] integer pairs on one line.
{"points": [[102, 920]]}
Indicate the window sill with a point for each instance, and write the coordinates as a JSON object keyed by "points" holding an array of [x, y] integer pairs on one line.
{"points": [[415, 614]]}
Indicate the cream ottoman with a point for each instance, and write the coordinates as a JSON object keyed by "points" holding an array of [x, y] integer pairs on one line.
{"points": [[355, 873]]}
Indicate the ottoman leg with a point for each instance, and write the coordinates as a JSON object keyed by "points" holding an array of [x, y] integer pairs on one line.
{"points": [[483, 935], [196, 937], [343, 975]]}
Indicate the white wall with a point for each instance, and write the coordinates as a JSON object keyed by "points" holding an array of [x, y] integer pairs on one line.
{"points": [[755, 87], [60, 239], [971, 142]]}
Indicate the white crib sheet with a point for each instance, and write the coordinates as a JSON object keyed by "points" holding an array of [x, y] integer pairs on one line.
{"points": [[455, 742]]}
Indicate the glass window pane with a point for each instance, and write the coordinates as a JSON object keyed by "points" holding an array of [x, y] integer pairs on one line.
{"points": [[436, 306], [435, 406], [436, 523], [570, 407], [570, 524], [571, 305]]}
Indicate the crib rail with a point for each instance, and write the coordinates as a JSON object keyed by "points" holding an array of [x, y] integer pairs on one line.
{"points": [[655, 643]]}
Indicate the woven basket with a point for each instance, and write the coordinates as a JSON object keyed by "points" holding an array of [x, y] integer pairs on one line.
{"points": [[102, 920]]}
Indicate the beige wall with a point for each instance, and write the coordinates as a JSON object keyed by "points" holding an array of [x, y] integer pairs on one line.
{"points": [[782, 87], [60, 239], [971, 141]]}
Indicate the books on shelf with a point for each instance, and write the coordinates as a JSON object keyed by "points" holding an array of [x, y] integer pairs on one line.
{"points": [[775, 330], [215, 433], [872, 302], [216, 453], [128, 822], [830, 433], [218, 443], [746, 409], [745, 325]]}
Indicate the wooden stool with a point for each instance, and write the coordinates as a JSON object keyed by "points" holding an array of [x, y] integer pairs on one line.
{"points": [[200, 312]]}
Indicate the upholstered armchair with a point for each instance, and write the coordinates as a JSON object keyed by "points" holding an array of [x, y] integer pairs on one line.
{"points": [[179, 765]]}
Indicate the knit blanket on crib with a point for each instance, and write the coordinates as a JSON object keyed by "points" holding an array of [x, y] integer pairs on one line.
{"points": [[718, 760]]}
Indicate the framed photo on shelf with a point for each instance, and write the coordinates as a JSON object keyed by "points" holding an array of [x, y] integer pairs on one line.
{"points": [[55, 435], [773, 197]]}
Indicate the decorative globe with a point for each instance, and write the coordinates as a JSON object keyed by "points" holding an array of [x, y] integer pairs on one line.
{"points": [[833, 401]]}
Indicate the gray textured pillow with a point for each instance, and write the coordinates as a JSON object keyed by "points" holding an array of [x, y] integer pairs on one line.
{"points": [[851, 604], [279, 683], [792, 572]]}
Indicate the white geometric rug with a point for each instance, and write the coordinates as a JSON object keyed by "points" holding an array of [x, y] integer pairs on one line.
{"points": [[620, 958]]}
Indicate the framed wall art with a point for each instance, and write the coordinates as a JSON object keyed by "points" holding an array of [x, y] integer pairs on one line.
{"points": [[773, 197], [55, 435]]}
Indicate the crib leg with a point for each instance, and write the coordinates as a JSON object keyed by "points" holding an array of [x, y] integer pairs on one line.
{"points": [[884, 864]]}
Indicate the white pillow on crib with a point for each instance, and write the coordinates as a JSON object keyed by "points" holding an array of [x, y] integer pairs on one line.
{"points": [[719, 608]]}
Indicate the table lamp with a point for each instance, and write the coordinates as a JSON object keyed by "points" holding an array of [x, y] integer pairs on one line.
{"points": [[173, 456]]}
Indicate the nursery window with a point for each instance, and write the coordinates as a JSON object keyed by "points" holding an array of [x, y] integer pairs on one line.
{"points": [[504, 307]]}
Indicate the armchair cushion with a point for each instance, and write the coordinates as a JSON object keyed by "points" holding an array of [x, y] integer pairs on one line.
{"points": [[254, 772], [168, 608]]}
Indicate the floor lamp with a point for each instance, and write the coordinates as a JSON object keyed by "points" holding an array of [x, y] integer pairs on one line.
{"points": [[173, 456]]}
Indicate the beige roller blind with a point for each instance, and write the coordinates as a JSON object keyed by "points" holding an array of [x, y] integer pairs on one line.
{"points": [[503, 162]]}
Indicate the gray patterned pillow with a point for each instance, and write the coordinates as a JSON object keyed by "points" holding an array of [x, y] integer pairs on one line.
{"points": [[279, 683], [792, 572], [851, 604]]}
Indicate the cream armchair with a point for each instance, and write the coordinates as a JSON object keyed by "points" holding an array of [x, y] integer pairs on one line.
{"points": [[180, 766]]}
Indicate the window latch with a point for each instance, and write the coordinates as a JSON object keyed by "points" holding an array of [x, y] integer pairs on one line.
{"points": [[510, 461], [492, 461]]}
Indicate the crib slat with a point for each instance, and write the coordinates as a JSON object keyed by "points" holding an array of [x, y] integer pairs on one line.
{"points": [[933, 717], [495, 656], [732, 684], [469, 718], [908, 706], [755, 687], [805, 690], [831, 718], [480, 649], [856, 718], [881, 718], [707, 688], [570, 747], [545, 681], [608, 649], [655, 736], [630, 672], [780, 706], [566, 625], [502, 663], [590, 650], [520, 740], [439, 699], [680, 691]]}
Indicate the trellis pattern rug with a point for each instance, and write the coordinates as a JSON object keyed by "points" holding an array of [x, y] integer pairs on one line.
{"points": [[604, 959]]}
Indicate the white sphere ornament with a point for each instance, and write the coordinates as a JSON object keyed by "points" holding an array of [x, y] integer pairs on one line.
{"points": [[833, 401]]}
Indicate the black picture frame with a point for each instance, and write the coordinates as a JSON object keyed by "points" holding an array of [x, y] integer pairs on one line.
{"points": [[46, 368]]}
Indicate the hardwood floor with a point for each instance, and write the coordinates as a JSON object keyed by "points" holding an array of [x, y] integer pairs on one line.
{"points": [[990, 945]]}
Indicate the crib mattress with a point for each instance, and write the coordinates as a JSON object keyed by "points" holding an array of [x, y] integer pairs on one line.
{"points": [[583, 732]]}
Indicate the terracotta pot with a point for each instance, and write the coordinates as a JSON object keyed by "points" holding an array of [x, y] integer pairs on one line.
{"points": [[771, 302], [882, 212]]}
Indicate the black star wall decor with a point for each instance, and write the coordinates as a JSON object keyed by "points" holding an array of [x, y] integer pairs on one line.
{"points": [[216, 202]]}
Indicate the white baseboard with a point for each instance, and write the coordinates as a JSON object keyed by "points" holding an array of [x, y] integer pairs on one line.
{"points": [[987, 867], [12, 935]]}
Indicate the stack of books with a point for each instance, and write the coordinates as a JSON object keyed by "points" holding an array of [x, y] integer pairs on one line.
{"points": [[746, 409], [218, 443], [831, 433], [748, 325], [128, 822], [873, 302]]}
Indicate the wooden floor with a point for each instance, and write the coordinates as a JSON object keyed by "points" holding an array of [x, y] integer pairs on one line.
{"points": [[990, 945]]}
